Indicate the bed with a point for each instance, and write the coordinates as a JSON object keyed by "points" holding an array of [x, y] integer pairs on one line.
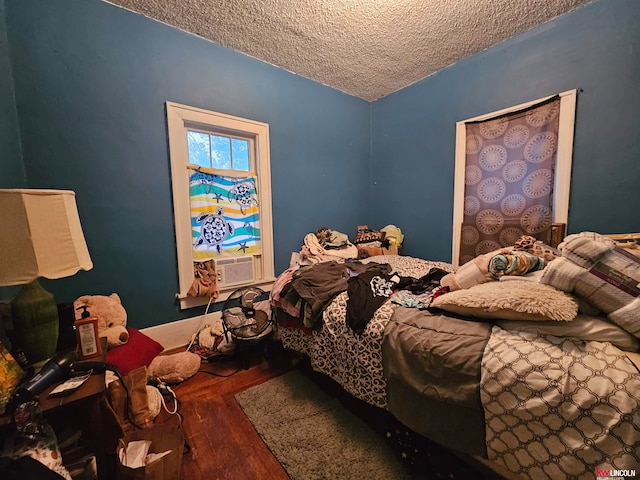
{"points": [[525, 394]]}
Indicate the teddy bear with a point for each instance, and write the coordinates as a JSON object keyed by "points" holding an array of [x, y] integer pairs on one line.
{"points": [[174, 368], [111, 315]]}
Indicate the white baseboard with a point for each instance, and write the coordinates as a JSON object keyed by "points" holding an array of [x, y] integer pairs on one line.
{"points": [[178, 334]]}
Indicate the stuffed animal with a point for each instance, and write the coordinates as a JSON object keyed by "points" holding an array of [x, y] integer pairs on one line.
{"points": [[174, 368], [111, 315]]}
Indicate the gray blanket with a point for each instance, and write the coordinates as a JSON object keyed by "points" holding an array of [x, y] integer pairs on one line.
{"points": [[432, 364]]}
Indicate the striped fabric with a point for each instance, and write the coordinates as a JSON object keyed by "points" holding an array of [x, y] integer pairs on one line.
{"points": [[225, 217]]}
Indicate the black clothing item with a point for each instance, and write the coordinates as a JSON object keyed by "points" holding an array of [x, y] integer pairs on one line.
{"points": [[370, 290], [367, 292], [318, 284], [26, 467], [424, 284]]}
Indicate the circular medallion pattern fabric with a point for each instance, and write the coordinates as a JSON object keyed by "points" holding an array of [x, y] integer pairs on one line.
{"points": [[516, 136], [489, 222], [471, 205], [543, 115], [540, 147], [470, 235], [510, 235], [513, 204], [465, 258], [538, 184], [472, 175], [585, 408], [474, 144], [487, 246], [514, 171], [536, 219], [494, 128], [492, 157], [491, 190]]}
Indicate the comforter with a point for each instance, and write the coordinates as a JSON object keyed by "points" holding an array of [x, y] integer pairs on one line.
{"points": [[542, 406]]}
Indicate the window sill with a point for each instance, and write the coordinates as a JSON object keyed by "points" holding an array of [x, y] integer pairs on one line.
{"points": [[191, 302]]}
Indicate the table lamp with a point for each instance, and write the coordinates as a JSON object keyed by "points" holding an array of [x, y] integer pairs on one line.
{"points": [[40, 236]]}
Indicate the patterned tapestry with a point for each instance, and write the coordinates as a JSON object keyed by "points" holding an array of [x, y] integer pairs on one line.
{"points": [[224, 215], [509, 176]]}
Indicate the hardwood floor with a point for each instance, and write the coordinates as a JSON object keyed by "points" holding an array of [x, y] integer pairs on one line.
{"points": [[223, 443]]}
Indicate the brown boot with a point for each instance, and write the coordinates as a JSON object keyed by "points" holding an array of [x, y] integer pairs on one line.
{"points": [[138, 415]]}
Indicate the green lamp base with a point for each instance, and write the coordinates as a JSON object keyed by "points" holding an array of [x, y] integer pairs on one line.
{"points": [[35, 322]]}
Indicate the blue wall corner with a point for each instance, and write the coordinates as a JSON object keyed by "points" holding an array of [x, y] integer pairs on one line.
{"points": [[595, 48]]}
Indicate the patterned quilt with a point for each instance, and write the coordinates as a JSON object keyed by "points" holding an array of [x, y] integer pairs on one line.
{"points": [[559, 407]]}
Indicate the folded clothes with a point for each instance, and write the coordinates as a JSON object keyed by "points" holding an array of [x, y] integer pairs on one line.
{"points": [[515, 263]]}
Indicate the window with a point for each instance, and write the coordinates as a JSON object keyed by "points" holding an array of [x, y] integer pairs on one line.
{"points": [[223, 160], [561, 179]]}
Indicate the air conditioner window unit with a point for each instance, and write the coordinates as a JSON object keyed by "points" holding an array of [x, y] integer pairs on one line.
{"points": [[234, 270]]}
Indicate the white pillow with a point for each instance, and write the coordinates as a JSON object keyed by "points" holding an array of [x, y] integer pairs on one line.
{"points": [[583, 327]]}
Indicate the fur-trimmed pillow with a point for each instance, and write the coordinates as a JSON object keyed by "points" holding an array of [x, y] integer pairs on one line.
{"points": [[513, 300]]}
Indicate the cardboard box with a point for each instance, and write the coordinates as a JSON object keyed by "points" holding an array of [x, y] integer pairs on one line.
{"points": [[374, 251]]}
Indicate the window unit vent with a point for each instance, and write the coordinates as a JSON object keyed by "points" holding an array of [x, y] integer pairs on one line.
{"points": [[232, 271]]}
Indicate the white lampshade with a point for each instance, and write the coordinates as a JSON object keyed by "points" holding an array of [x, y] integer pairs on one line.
{"points": [[40, 236]]}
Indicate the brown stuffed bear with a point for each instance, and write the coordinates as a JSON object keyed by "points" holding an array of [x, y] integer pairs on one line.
{"points": [[111, 315]]}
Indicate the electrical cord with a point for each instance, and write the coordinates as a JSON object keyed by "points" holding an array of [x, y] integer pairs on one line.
{"points": [[204, 315], [165, 390], [219, 374]]}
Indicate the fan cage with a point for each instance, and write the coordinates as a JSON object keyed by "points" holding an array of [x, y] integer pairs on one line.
{"points": [[240, 320]]}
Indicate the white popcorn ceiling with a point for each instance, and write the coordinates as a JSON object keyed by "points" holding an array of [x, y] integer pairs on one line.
{"points": [[366, 48]]}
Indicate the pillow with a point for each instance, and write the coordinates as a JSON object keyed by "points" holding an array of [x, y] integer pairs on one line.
{"points": [[513, 300], [139, 351], [474, 272], [604, 275], [583, 327]]}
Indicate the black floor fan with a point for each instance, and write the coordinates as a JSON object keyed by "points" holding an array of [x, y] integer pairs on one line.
{"points": [[246, 319]]}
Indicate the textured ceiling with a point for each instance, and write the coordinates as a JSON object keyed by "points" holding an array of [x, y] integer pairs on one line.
{"points": [[366, 48]]}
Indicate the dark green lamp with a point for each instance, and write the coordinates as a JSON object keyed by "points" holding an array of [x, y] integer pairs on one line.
{"points": [[40, 236]]}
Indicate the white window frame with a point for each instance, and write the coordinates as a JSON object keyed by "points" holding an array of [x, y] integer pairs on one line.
{"points": [[562, 181], [179, 118]]}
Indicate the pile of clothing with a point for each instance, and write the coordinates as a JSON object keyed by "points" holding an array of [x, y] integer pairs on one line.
{"points": [[303, 292], [326, 245]]}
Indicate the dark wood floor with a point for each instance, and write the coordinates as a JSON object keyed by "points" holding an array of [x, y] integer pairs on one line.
{"points": [[223, 443]]}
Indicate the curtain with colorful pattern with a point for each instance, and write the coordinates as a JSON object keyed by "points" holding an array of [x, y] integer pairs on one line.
{"points": [[225, 218], [509, 177]]}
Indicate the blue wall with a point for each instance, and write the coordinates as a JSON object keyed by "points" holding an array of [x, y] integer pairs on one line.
{"points": [[12, 173], [91, 80], [595, 48], [90, 84]]}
